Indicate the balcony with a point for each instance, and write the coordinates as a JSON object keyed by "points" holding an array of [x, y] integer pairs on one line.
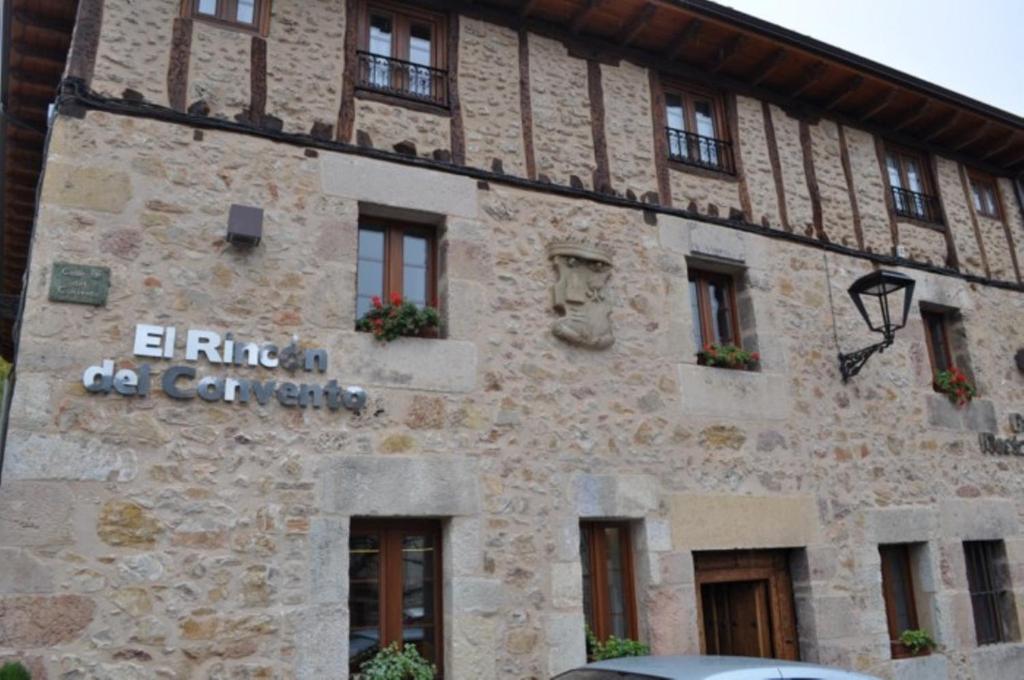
{"points": [[403, 79], [701, 152], [916, 206]]}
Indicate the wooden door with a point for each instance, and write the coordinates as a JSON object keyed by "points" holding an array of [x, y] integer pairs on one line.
{"points": [[745, 601]]}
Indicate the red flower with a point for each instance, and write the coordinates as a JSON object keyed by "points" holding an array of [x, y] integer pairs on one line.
{"points": [[756, 356], [396, 298], [377, 304]]}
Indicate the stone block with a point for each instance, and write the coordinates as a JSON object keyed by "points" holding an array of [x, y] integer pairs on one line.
{"points": [[328, 563], [908, 524], [657, 535], [979, 519], [398, 186], [471, 649], [410, 363], [463, 547], [621, 496], [671, 621], [23, 573], [43, 620], [676, 568], [476, 596], [977, 416], [832, 620], [100, 188], [931, 667], [125, 523], [566, 644], [998, 661], [721, 522], [567, 585], [707, 391], [35, 456], [34, 513], [322, 644], [438, 486]]}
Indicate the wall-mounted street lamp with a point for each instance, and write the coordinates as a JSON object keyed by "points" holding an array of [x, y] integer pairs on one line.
{"points": [[876, 295]]}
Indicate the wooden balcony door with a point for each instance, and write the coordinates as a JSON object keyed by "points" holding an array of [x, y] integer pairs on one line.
{"points": [[745, 600]]}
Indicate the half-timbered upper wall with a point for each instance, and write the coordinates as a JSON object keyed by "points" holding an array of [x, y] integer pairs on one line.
{"points": [[532, 106]]}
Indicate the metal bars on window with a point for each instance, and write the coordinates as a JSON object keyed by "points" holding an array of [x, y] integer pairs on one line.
{"points": [[991, 598], [915, 205], [699, 151], [404, 79]]}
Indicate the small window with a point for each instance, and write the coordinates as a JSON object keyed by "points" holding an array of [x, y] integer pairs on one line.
{"points": [[984, 195], [251, 15], [695, 126], [898, 590], [402, 53], [713, 305], [395, 258], [911, 186], [609, 601], [988, 579], [394, 588], [936, 332]]}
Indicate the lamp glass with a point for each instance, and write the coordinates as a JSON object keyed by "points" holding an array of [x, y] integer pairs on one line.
{"points": [[883, 298]]}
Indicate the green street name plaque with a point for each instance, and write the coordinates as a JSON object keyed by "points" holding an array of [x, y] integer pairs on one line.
{"points": [[79, 283]]}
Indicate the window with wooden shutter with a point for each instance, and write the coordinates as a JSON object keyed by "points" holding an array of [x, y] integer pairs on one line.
{"points": [[609, 599]]}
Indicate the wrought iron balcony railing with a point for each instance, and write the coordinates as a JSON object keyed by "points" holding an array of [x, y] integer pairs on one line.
{"points": [[916, 206], [702, 152], [403, 78]]}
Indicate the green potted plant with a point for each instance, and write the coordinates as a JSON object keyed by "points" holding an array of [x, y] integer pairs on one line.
{"points": [[955, 385], [917, 641], [613, 647], [398, 318], [728, 356], [397, 663], [13, 670]]}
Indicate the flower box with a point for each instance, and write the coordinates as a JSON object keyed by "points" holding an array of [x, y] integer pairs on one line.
{"points": [[955, 384], [399, 318], [728, 356]]}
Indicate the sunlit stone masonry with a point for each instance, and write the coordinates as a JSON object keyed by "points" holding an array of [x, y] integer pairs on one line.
{"points": [[341, 323]]}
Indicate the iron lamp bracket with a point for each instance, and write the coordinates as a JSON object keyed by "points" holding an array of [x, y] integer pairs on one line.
{"points": [[850, 364]]}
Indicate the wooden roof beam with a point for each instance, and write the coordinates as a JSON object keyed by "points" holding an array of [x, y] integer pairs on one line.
{"points": [[978, 133], [725, 52], [880, 105], [766, 66], [943, 127], [637, 24], [809, 77], [923, 107], [527, 7], [582, 14], [57, 28], [844, 91], [1003, 146], [682, 39]]}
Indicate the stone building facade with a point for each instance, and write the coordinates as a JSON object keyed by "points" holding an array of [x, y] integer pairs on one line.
{"points": [[145, 536]]}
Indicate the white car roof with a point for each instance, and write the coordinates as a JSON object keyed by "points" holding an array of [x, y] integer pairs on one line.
{"points": [[712, 667]]}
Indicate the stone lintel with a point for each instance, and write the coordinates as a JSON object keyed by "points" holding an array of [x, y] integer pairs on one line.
{"points": [[725, 522]]}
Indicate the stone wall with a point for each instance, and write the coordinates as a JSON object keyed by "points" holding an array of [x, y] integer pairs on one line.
{"points": [[306, 53], [158, 538]]}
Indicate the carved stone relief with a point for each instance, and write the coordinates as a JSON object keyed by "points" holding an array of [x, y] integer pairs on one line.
{"points": [[579, 294]]}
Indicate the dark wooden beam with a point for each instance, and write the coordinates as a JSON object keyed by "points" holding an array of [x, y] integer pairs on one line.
{"points": [[1015, 160], [880, 105], [943, 127], [682, 39], [809, 77], [582, 14], [978, 133], [922, 108], [766, 66], [844, 91], [1003, 146], [725, 52], [527, 7], [56, 28], [638, 23]]}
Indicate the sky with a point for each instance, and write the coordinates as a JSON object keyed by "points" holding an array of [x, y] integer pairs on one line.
{"points": [[973, 47]]}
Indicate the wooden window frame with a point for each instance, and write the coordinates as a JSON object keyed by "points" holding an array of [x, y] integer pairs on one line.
{"points": [[983, 559], [978, 177], [753, 565], [929, 316], [900, 552], [394, 231], [688, 92], [901, 153], [227, 9], [402, 16], [593, 534], [390, 533], [705, 322]]}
